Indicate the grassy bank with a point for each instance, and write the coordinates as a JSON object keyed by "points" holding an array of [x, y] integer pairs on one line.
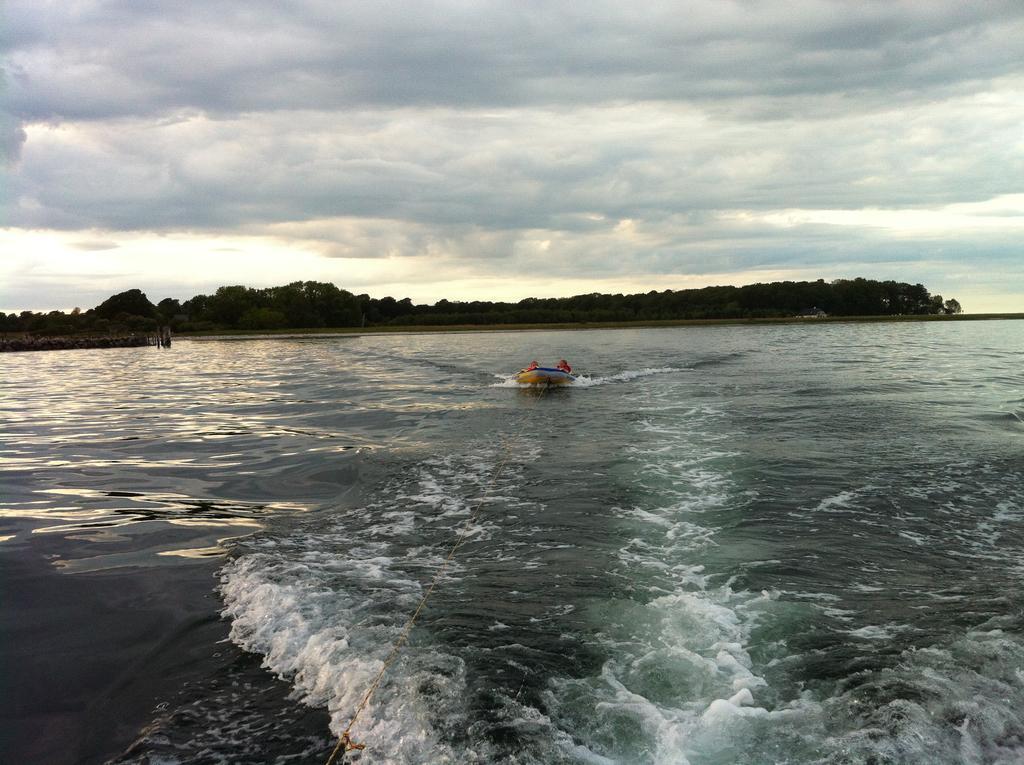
{"points": [[412, 328]]}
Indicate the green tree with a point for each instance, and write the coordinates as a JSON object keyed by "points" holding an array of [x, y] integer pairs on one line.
{"points": [[262, 318], [228, 304], [168, 308], [131, 302]]}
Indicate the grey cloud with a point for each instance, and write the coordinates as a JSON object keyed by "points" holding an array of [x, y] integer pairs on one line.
{"points": [[478, 129], [130, 59], [576, 169], [12, 138]]}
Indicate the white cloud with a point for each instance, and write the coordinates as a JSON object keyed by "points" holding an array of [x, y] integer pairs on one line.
{"points": [[1002, 215]]}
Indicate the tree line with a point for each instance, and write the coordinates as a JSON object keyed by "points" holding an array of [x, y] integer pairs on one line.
{"points": [[305, 305]]}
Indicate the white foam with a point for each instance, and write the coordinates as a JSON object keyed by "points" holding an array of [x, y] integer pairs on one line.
{"points": [[918, 539], [325, 607], [1008, 511], [689, 643], [873, 632], [587, 756], [586, 381], [970, 681], [330, 643], [721, 711], [861, 587], [844, 500]]}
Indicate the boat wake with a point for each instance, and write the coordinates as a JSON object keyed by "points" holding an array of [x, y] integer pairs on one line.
{"points": [[648, 617], [587, 381]]}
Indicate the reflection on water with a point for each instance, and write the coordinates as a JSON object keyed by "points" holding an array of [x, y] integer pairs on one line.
{"points": [[198, 552], [187, 443], [168, 508], [205, 437]]}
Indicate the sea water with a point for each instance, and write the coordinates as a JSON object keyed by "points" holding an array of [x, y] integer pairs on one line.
{"points": [[753, 544]]}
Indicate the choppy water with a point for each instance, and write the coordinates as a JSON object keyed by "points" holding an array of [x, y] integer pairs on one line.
{"points": [[793, 544]]}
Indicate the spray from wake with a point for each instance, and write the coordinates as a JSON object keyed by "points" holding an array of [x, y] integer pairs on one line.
{"points": [[584, 380]]}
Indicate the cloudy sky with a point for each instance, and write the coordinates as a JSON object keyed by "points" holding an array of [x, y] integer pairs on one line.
{"points": [[498, 150]]}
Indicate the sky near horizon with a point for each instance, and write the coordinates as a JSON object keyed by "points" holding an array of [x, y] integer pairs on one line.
{"points": [[501, 150]]}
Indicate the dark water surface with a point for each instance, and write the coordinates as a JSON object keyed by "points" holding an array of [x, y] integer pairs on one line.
{"points": [[792, 544]]}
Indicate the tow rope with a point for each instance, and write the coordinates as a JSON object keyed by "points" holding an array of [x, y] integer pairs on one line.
{"points": [[345, 742]]}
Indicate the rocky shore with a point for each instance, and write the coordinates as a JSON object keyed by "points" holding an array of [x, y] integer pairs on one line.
{"points": [[30, 343]]}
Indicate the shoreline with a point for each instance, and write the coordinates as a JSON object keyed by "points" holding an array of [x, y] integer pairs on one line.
{"points": [[648, 324], [22, 342], [15, 342]]}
